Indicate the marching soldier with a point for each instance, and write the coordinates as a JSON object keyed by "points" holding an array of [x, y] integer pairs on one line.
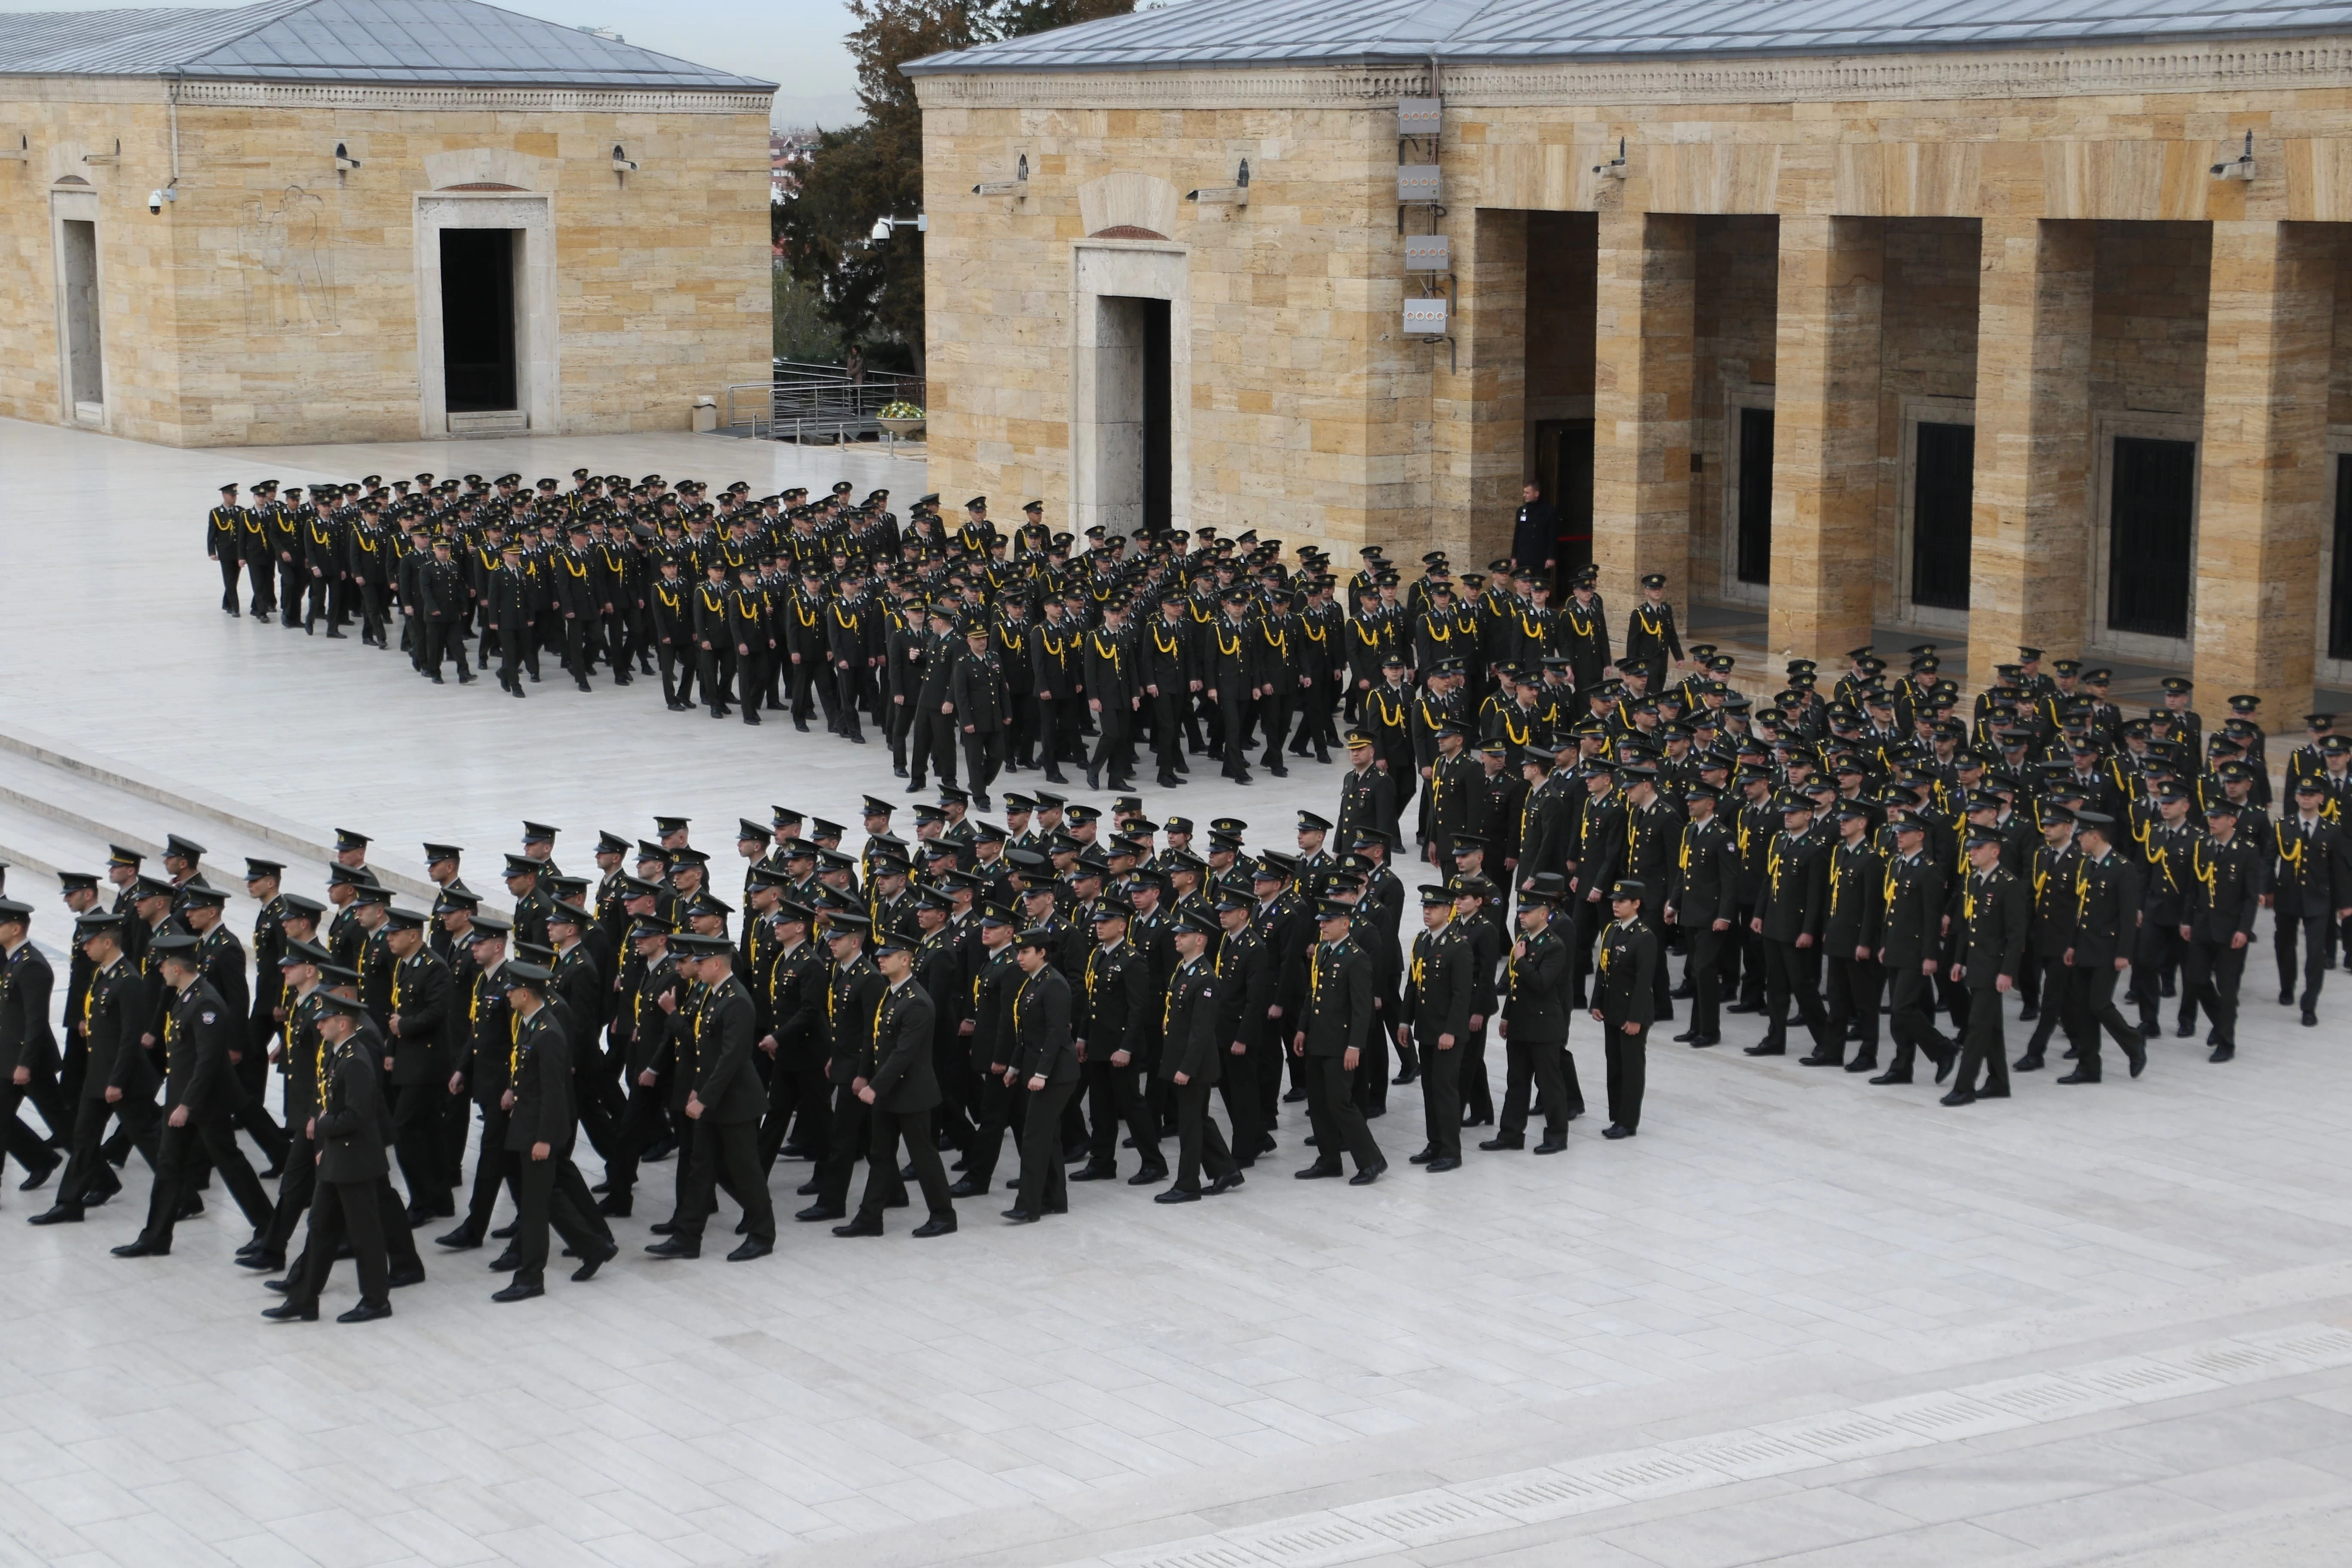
{"points": [[350, 1129], [1986, 946], [1329, 1044], [2225, 875], [2105, 899], [1191, 1062], [1625, 982]]}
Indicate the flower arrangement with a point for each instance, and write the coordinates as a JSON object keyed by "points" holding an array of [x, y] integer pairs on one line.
{"points": [[901, 409]]}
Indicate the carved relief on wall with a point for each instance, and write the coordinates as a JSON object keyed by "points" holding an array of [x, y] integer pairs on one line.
{"points": [[289, 280]]}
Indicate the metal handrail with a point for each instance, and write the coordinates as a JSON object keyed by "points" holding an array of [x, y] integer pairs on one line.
{"points": [[805, 398]]}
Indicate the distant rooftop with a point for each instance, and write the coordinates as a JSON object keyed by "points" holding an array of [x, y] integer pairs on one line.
{"points": [[1205, 33], [418, 42]]}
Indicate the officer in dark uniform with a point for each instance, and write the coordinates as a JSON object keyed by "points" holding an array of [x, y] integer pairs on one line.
{"points": [[1044, 1066], [2311, 887], [539, 1129], [1986, 946], [2103, 898], [896, 1079], [1792, 907], [117, 1078], [1701, 903], [1434, 1015], [1535, 1023], [350, 1128], [2226, 877], [1625, 987], [28, 1045], [1112, 1026], [724, 1104], [1338, 1017], [1192, 1061]]}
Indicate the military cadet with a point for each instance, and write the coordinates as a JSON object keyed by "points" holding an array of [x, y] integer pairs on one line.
{"points": [[1625, 990], [2226, 875], [480, 1071], [1987, 944], [350, 1129], [1792, 908], [442, 588], [1192, 1061], [1337, 1014], [2104, 900], [1434, 1015], [1851, 937], [118, 1080], [897, 1081], [724, 1102], [1911, 912], [1699, 902], [1044, 1067], [1535, 1024], [2311, 887], [1110, 1026], [28, 1045], [539, 1127], [1650, 637]]}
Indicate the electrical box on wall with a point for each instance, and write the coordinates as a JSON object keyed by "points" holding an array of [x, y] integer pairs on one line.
{"points": [[1418, 182], [1428, 253], [1425, 317]]}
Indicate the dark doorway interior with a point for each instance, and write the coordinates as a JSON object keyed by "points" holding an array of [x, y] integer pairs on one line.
{"points": [[1159, 513], [1755, 520], [478, 318], [2339, 587], [1943, 484], [84, 359], [1563, 467], [2149, 545]]}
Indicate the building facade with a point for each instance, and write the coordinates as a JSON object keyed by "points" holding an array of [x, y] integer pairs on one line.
{"points": [[1998, 332], [331, 220]]}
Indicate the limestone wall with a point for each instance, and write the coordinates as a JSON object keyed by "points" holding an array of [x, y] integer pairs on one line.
{"points": [[275, 299]]}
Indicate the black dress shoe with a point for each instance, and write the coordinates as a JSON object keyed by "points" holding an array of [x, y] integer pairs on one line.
{"points": [[1866, 1062], [675, 1246], [504, 1232], [517, 1292], [1423, 1158], [190, 1209], [1743, 1007], [1958, 1097], [1226, 1184], [1407, 1076], [365, 1312], [1817, 1059], [2220, 1054], [268, 1262], [1293, 1097], [56, 1214], [859, 1227], [1507, 1141], [38, 1178], [2186, 1027], [938, 1224], [400, 1278], [1021, 1216], [809, 1189], [2027, 1015], [596, 1260], [1765, 1049], [661, 1227], [1700, 1042], [1946, 1063], [2136, 1055], [817, 1212], [2310, 1021], [461, 1239], [282, 1287], [615, 1205], [1318, 1170], [1095, 1173], [2286, 998], [1617, 1129], [752, 1248], [140, 1249], [1150, 1176], [1444, 1163], [1177, 1196], [1368, 1175], [2030, 1062], [2078, 1075], [292, 1312], [1890, 1076], [1552, 1145], [968, 1188], [506, 1262]]}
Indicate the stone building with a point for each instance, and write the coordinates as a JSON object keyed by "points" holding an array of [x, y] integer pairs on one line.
{"points": [[326, 220], [2015, 325]]}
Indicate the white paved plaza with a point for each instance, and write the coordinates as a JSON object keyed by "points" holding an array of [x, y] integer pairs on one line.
{"points": [[1798, 1319]]}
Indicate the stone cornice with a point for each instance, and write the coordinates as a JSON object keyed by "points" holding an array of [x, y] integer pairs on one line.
{"points": [[391, 98], [2220, 64]]}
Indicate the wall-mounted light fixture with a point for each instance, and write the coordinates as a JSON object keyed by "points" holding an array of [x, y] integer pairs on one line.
{"points": [[622, 162], [1236, 193], [2241, 167], [1017, 187], [1616, 168], [344, 162]]}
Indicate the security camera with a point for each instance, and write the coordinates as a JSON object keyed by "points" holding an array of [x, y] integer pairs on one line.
{"points": [[154, 201]]}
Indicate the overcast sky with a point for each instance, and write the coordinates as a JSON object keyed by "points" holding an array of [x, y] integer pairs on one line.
{"points": [[796, 42]]}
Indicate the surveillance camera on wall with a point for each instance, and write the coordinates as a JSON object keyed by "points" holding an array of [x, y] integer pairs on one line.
{"points": [[154, 201]]}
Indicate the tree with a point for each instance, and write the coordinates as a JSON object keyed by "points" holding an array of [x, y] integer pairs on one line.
{"points": [[873, 290]]}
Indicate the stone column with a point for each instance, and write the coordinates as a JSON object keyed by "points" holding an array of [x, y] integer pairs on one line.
{"points": [[2262, 468], [2030, 537], [1642, 405], [1825, 437], [1478, 412]]}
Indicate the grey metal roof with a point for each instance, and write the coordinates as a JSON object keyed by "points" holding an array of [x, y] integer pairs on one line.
{"points": [[442, 42], [1318, 32]]}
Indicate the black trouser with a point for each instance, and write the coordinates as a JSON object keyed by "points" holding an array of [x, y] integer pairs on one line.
{"points": [[807, 667], [716, 667], [177, 1152], [551, 1191], [1628, 1057], [516, 650], [1910, 1024], [257, 575], [1706, 951], [678, 666], [1115, 1094], [292, 574], [341, 1210], [42, 1091], [1238, 1085], [732, 1149], [1198, 1142], [1441, 1095], [2209, 971], [1167, 731], [445, 637], [1370, 1082], [1060, 731], [1314, 727], [489, 1171], [1274, 718], [752, 682], [317, 585], [643, 1119], [297, 1190], [1983, 1045], [2089, 993], [2314, 931], [853, 1135], [2156, 949], [1020, 742], [795, 1092], [1114, 743], [1854, 987], [1748, 957], [1477, 1092], [1791, 971], [884, 1185], [1045, 1185], [399, 1245], [1332, 1112], [934, 742], [993, 1112], [846, 682], [1234, 708], [983, 759], [86, 1171], [228, 566], [1544, 1066], [416, 1139]]}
